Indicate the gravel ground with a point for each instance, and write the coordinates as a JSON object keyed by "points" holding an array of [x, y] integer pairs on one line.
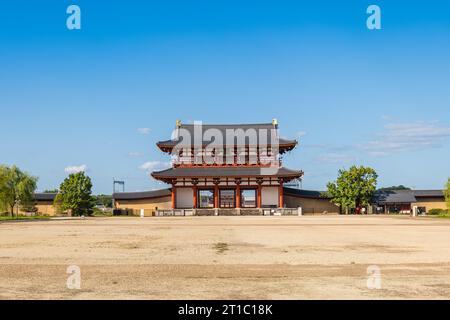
{"points": [[310, 257]]}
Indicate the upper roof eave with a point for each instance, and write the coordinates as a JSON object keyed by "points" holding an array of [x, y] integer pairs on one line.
{"points": [[284, 143]]}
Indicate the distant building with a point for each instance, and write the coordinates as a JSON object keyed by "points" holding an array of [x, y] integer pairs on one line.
{"points": [[403, 201], [150, 201], [44, 204], [311, 202]]}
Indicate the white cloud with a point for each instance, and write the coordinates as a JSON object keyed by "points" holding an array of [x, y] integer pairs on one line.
{"points": [[337, 158], [395, 137], [143, 130], [154, 165], [135, 154], [408, 137], [75, 169]]}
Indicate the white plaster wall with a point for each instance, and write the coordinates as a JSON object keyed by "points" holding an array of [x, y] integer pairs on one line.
{"points": [[184, 197], [269, 196]]}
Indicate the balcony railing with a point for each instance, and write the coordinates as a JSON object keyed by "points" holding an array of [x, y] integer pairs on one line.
{"points": [[190, 162], [230, 212]]}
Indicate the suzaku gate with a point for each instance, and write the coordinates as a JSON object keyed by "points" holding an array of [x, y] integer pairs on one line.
{"points": [[227, 169]]}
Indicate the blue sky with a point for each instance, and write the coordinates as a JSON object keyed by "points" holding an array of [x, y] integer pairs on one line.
{"points": [[99, 98]]}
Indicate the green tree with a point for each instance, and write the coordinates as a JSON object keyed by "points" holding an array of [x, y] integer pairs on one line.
{"points": [[75, 195], [16, 189], [354, 187], [447, 194]]}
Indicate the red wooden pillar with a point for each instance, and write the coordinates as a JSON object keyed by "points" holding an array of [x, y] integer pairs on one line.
{"points": [[280, 195], [258, 205], [216, 196], [238, 196], [173, 196], [194, 198]]}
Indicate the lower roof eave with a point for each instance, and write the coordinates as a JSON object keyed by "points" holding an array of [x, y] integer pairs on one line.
{"points": [[287, 177]]}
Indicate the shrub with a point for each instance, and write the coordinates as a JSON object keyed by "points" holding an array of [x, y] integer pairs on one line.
{"points": [[437, 212], [98, 212]]}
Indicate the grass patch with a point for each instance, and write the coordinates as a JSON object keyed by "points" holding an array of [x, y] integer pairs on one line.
{"points": [[221, 247], [8, 218], [99, 213]]}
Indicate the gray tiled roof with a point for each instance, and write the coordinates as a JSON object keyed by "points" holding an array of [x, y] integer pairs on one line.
{"points": [[304, 193], [141, 194], [190, 172], [428, 193], [394, 196], [222, 128], [404, 196], [45, 196]]}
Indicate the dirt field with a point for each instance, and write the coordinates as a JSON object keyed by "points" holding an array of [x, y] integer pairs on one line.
{"points": [[322, 257]]}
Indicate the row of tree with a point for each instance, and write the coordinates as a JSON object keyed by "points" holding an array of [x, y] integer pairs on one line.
{"points": [[17, 190]]}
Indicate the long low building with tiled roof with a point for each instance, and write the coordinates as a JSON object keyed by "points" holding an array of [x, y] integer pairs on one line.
{"points": [[312, 202], [403, 201], [43, 202]]}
